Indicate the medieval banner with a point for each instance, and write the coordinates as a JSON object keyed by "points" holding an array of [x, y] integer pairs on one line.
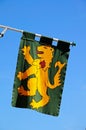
{"points": [[40, 74]]}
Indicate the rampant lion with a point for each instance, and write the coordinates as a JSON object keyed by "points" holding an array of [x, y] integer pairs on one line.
{"points": [[39, 67]]}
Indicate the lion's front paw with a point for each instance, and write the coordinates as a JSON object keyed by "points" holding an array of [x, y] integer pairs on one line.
{"points": [[20, 75], [26, 50]]}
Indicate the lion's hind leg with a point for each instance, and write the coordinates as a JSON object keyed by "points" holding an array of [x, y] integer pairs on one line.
{"points": [[43, 101], [22, 91]]}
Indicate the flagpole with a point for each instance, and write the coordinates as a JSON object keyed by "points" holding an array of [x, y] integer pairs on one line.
{"points": [[21, 31], [10, 28]]}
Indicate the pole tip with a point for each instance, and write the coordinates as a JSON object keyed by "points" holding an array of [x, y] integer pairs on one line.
{"points": [[73, 44]]}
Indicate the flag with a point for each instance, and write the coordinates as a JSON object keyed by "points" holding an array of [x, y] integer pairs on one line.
{"points": [[40, 74]]}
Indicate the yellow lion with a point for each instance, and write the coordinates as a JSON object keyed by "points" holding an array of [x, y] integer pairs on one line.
{"points": [[39, 67]]}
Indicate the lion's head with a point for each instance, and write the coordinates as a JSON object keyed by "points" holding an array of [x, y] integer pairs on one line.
{"points": [[45, 53]]}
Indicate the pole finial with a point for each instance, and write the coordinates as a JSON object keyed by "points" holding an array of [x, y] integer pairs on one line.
{"points": [[73, 44]]}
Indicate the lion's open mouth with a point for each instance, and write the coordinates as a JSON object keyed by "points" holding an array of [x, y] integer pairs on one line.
{"points": [[40, 52]]}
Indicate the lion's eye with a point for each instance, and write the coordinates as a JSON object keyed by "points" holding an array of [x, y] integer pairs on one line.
{"points": [[45, 47]]}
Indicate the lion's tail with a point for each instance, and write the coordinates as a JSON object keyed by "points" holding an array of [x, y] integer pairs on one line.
{"points": [[57, 80]]}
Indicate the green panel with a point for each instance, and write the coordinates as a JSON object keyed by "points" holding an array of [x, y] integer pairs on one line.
{"points": [[43, 80]]}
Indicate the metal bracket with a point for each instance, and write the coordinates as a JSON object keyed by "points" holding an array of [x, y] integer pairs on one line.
{"points": [[3, 32]]}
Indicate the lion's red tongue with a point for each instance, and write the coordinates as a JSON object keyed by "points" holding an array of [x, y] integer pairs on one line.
{"points": [[40, 52], [42, 63]]}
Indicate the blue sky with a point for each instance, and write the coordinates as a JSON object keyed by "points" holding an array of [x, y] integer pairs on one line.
{"points": [[61, 19]]}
